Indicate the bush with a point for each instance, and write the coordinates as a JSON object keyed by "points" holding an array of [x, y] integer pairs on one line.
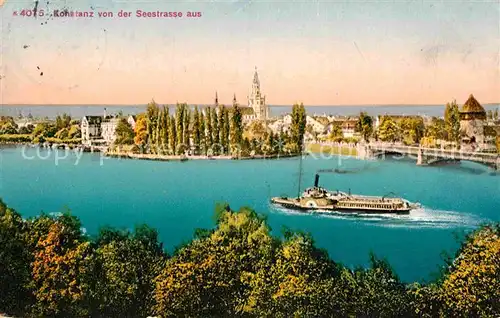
{"points": [[15, 138]]}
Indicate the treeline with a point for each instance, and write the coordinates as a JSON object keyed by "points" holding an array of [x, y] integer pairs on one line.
{"points": [[209, 131], [49, 268], [63, 129]]}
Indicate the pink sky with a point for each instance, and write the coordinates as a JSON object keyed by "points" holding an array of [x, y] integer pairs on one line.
{"points": [[125, 66]]}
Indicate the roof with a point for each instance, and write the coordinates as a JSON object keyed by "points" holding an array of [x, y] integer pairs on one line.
{"points": [[472, 106], [93, 119]]}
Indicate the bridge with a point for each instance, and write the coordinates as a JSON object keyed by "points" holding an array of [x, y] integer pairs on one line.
{"points": [[427, 156]]}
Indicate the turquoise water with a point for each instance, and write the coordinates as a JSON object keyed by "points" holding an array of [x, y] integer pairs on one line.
{"points": [[178, 197]]}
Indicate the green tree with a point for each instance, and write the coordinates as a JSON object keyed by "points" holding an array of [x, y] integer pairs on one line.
{"points": [[203, 133], [364, 126], [208, 121], [452, 122], [389, 130], [227, 131], [471, 287], [221, 130], [124, 133], [63, 121], [179, 127], [152, 116], [236, 132], [336, 131], [172, 135], [15, 259], [436, 129], [298, 127], [186, 126], [190, 283], [128, 263], [196, 130], [215, 131]]}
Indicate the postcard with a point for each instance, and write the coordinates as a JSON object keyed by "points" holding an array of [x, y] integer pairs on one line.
{"points": [[249, 158]]}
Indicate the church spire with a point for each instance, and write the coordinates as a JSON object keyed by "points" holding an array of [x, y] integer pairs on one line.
{"points": [[256, 77], [234, 99], [216, 99]]}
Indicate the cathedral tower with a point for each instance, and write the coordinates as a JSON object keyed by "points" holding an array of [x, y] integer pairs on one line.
{"points": [[256, 101]]}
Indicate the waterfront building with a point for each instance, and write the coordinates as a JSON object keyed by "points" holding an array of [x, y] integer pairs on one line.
{"points": [[349, 128], [90, 128], [472, 121], [108, 129], [98, 129]]}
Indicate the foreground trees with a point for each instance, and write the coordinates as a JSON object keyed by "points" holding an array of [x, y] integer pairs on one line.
{"points": [[48, 267]]}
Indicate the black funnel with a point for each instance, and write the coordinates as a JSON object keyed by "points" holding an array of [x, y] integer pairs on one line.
{"points": [[316, 180]]}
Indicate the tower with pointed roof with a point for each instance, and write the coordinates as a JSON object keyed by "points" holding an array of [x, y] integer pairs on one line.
{"points": [[256, 101], [216, 100], [472, 120]]}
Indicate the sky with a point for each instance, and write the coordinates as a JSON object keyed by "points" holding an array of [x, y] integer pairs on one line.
{"points": [[314, 52]]}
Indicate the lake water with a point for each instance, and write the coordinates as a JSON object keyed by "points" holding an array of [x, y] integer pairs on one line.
{"points": [[178, 197]]}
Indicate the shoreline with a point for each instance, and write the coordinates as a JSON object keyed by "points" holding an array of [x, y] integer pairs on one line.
{"points": [[156, 157]]}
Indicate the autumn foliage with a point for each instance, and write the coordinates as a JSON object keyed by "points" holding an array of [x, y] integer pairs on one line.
{"points": [[49, 268]]}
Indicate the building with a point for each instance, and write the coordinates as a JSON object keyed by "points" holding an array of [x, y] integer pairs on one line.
{"points": [[90, 129], [472, 121], [98, 129], [108, 129], [257, 101], [131, 120], [349, 128]]}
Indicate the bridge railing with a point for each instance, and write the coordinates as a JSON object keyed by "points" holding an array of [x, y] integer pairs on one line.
{"points": [[438, 152]]}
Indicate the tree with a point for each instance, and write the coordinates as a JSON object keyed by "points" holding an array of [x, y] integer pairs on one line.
{"points": [[208, 121], [179, 127], [215, 130], [196, 130], [298, 127], [364, 126], [172, 135], [222, 132], [124, 133], [471, 287], [190, 283], [389, 130], [128, 263], [141, 131], [62, 273], [152, 116], [63, 121], [336, 131], [203, 133], [495, 114], [436, 129], [236, 132], [186, 126], [227, 130], [413, 129], [15, 261], [452, 122], [75, 132], [166, 127]]}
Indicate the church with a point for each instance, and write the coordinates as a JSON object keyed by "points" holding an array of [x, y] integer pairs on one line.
{"points": [[257, 108]]}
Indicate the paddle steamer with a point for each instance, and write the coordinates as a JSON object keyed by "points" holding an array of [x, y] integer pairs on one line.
{"points": [[318, 199]]}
